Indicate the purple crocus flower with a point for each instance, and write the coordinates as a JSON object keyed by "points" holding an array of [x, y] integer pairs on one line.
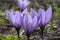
{"points": [[23, 4], [34, 13], [43, 17], [15, 19], [29, 24]]}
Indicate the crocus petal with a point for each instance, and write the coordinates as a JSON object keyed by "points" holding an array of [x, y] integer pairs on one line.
{"points": [[30, 23], [23, 4], [48, 14], [25, 19], [39, 17], [39, 14], [25, 11], [10, 16], [26, 3], [42, 12], [34, 13], [29, 19], [17, 19], [27, 23], [20, 2], [34, 23], [26, 0], [21, 19]]}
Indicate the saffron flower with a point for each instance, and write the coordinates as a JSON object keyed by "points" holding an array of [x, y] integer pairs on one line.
{"points": [[43, 17], [23, 4], [15, 19], [29, 24]]}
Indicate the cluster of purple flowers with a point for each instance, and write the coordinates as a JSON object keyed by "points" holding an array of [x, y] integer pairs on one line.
{"points": [[29, 22]]}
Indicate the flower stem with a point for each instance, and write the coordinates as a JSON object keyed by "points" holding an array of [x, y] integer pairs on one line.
{"points": [[28, 37], [18, 36], [42, 34], [17, 29]]}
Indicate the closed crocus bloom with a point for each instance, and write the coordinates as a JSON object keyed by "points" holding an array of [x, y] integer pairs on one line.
{"points": [[43, 17], [15, 19], [23, 4], [34, 13], [29, 24]]}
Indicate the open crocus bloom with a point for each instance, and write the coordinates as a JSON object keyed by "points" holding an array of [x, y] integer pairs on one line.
{"points": [[23, 4], [15, 18], [29, 23]]}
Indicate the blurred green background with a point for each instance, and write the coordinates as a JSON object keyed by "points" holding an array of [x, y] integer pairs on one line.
{"points": [[52, 30]]}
